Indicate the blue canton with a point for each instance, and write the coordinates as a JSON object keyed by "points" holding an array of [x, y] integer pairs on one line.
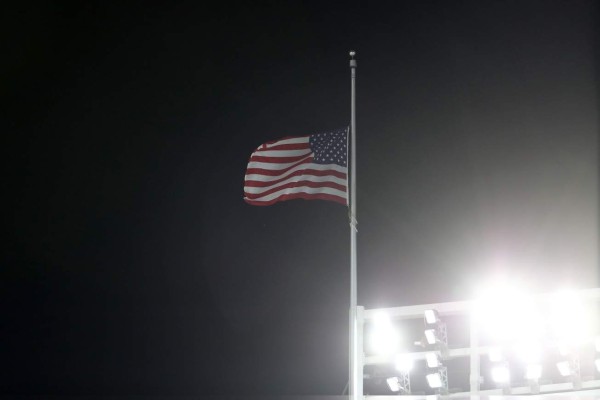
{"points": [[330, 147]]}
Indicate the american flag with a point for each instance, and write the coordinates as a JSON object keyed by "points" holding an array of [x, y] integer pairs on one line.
{"points": [[311, 167]]}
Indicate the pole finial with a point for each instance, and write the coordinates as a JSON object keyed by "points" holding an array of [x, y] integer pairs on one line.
{"points": [[352, 60]]}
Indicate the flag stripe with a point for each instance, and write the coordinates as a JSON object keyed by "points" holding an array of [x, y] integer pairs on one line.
{"points": [[255, 180], [300, 190], [268, 174], [279, 160], [288, 146], [281, 153], [254, 193], [271, 169], [316, 169], [305, 196]]}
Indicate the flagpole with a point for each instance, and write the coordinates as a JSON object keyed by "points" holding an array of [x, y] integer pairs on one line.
{"points": [[355, 379]]}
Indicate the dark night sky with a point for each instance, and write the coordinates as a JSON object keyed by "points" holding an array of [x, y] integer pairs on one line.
{"points": [[132, 264]]}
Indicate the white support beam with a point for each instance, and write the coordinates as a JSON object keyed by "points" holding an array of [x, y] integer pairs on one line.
{"points": [[589, 389], [460, 307], [452, 353], [408, 312], [360, 354], [474, 356]]}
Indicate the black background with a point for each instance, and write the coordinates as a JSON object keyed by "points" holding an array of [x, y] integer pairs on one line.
{"points": [[132, 264]]}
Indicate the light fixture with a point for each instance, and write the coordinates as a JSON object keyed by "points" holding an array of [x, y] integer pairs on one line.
{"points": [[502, 310], [533, 372], [433, 361], [430, 336], [403, 363], [529, 352], [435, 330], [384, 339], [432, 317], [394, 384], [434, 380], [500, 374], [570, 368], [564, 367]]}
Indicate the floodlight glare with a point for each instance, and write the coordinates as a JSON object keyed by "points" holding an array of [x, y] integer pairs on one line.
{"points": [[564, 349], [597, 343], [564, 367], [384, 339], [597, 362], [394, 384], [495, 354], [432, 317], [501, 310], [533, 372], [433, 360], [529, 352], [434, 381], [430, 336], [404, 363], [500, 374], [569, 319]]}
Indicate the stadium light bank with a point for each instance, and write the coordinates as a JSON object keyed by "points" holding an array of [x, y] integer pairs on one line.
{"points": [[524, 344]]}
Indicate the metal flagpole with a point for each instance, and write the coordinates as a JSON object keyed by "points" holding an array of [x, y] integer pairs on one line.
{"points": [[355, 386]]}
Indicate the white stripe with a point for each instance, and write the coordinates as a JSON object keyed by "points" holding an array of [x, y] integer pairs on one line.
{"points": [[302, 189], [317, 167], [282, 153], [333, 179], [275, 166]]}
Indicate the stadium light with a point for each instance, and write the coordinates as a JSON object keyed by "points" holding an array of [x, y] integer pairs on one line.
{"points": [[533, 372], [384, 339], [570, 368], [507, 314], [403, 363], [438, 380], [501, 374], [435, 331], [530, 340], [433, 360], [432, 317], [394, 384], [529, 352], [434, 380], [431, 336], [564, 367]]}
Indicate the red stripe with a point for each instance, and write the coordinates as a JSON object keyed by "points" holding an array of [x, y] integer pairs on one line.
{"points": [[271, 172], [309, 184], [305, 196], [279, 160], [289, 146], [311, 172]]}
